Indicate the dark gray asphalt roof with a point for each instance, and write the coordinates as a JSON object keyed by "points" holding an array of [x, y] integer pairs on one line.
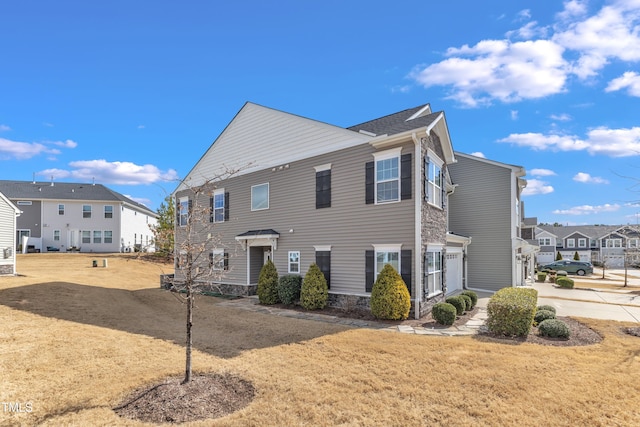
{"points": [[28, 190], [396, 122], [592, 231]]}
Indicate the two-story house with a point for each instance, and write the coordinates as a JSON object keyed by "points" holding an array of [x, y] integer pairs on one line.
{"points": [[350, 200], [62, 216], [8, 214]]}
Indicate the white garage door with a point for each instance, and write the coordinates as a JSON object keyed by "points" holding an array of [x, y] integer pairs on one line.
{"points": [[454, 272]]}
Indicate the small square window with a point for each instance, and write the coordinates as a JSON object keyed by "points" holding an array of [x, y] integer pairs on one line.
{"points": [[60, 209], [260, 197], [108, 211], [86, 211]]}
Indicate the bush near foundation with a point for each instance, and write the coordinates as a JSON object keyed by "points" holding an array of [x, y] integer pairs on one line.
{"points": [[511, 311], [268, 284], [467, 302], [314, 293], [542, 315], [443, 313], [547, 307], [458, 303], [564, 282], [472, 295], [289, 288], [390, 297], [554, 328]]}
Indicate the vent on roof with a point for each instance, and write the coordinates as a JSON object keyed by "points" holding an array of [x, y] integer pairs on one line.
{"points": [[364, 132]]}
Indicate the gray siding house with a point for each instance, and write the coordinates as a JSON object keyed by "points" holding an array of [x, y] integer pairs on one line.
{"points": [[64, 216], [486, 206], [8, 214], [350, 200]]}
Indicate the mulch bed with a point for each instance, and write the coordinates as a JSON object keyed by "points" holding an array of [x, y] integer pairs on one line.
{"points": [[204, 397]]}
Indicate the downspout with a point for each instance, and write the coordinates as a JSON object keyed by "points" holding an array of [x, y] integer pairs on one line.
{"points": [[417, 221]]}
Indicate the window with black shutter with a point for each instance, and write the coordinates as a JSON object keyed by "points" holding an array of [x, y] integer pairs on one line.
{"points": [[323, 189], [369, 173], [405, 176], [405, 268], [369, 270]]}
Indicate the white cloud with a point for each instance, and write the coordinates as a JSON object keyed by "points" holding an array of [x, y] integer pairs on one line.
{"points": [[560, 117], [609, 142], [23, 150], [479, 154], [4, 128], [401, 89], [536, 186], [141, 200], [588, 179], [140, 127], [629, 80], [514, 114], [541, 172], [67, 144], [587, 209], [120, 173]]}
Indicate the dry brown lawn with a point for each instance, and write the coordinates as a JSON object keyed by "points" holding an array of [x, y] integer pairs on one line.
{"points": [[76, 340]]}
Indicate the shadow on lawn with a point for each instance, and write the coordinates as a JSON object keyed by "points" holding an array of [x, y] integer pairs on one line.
{"points": [[218, 330]]}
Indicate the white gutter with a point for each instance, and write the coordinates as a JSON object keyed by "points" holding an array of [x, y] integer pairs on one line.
{"points": [[417, 253]]}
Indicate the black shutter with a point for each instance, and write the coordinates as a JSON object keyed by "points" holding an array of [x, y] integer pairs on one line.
{"points": [[226, 261], [369, 182], [226, 206], [323, 189], [211, 259], [443, 259], [177, 212], [211, 209], [189, 210], [323, 261], [405, 267], [369, 270], [405, 176], [426, 178], [444, 192]]}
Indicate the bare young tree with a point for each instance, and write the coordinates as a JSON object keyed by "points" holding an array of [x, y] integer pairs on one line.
{"points": [[198, 267]]}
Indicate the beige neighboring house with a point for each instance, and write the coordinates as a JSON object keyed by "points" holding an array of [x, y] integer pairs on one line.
{"points": [[8, 214]]}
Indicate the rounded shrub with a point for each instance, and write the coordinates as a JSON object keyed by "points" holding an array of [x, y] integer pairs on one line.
{"points": [[547, 307], [443, 313], [561, 273], [314, 293], [467, 302], [268, 284], [390, 297], [458, 303], [542, 315], [564, 282], [289, 288], [472, 295], [554, 328]]}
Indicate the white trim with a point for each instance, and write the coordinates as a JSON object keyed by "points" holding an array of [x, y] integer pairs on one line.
{"points": [[299, 262], [417, 253], [387, 154], [322, 248], [268, 196], [393, 153], [325, 167], [215, 193], [387, 248]]}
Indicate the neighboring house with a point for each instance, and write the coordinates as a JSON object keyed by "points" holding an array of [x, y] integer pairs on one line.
{"points": [[350, 200], [596, 243], [8, 214], [59, 216], [486, 206]]}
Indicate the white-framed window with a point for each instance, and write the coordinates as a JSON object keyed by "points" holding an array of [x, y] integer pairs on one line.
{"points": [[56, 235], [433, 272], [216, 259], [294, 262], [86, 211], [544, 241], [582, 243], [571, 243], [632, 243], [614, 243], [218, 205], [389, 254], [387, 173], [433, 179], [108, 211], [108, 236], [184, 211], [593, 243], [260, 197], [61, 209], [97, 236], [86, 236]]}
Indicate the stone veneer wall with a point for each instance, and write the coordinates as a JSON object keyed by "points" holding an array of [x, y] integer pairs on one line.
{"points": [[6, 269]]}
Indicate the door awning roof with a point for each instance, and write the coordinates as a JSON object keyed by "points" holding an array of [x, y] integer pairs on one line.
{"points": [[258, 234]]}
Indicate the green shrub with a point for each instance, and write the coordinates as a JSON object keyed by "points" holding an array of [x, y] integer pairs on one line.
{"points": [[554, 328], [542, 315], [314, 293], [289, 288], [511, 311], [268, 284], [558, 256], [561, 273], [467, 302], [576, 256], [390, 297], [458, 303], [541, 277], [472, 295], [564, 282], [547, 307], [444, 313]]}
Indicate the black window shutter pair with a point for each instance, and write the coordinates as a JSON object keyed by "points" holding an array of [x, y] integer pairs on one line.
{"points": [[370, 269], [323, 261], [405, 179], [225, 259], [323, 189], [226, 207]]}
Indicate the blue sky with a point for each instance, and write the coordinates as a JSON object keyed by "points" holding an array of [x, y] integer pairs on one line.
{"points": [[132, 93]]}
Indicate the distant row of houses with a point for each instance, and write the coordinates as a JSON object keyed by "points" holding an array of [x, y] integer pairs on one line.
{"points": [[69, 217]]}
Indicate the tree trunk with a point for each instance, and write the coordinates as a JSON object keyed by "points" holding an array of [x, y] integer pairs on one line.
{"points": [[187, 372]]}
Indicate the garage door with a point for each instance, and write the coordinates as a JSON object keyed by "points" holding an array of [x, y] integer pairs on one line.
{"points": [[454, 272]]}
